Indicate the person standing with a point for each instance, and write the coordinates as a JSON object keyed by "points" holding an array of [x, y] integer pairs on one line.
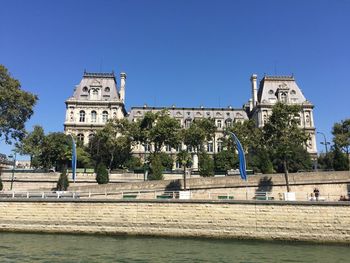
{"points": [[317, 193]]}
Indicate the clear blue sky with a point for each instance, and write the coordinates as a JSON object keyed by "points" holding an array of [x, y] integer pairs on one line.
{"points": [[187, 53]]}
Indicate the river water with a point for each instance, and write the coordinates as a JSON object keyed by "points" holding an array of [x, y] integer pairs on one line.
{"points": [[51, 248]]}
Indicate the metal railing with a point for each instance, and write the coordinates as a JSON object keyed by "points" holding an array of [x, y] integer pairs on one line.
{"points": [[159, 194]]}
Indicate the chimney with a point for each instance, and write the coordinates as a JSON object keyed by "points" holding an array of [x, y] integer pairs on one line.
{"points": [[250, 104], [254, 89], [122, 86]]}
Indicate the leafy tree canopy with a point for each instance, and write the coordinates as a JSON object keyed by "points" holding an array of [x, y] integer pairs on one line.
{"points": [[16, 107], [283, 135], [31, 144]]}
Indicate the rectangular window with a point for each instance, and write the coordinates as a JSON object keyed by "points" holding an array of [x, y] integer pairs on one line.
{"points": [[210, 147], [147, 148], [219, 147], [219, 124]]}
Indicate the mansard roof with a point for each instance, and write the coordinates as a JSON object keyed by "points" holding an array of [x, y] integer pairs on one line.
{"points": [[271, 85], [105, 83]]}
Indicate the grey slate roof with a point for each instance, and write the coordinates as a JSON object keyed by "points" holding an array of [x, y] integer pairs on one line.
{"points": [[105, 83]]}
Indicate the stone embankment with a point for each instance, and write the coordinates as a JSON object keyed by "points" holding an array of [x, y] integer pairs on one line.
{"points": [[298, 221], [331, 185]]}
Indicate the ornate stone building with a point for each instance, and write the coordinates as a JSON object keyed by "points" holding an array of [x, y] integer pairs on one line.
{"points": [[95, 100], [223, 117], [284, 89]]}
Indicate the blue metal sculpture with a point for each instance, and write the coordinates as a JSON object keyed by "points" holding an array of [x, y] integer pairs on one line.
{"points": [[74, 159], [242, 163]]}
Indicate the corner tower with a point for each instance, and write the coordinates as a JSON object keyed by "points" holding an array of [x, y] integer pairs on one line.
{"points": [[94, 101], [273, 89]]}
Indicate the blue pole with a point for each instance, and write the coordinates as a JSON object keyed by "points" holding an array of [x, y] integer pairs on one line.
{"points": [[241, 156], [74, 158]]}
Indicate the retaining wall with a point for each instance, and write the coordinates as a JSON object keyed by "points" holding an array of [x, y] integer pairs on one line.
{"points": [[300, 221]]}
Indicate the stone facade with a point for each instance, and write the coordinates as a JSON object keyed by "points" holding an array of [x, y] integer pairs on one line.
{"points": [[297, 221], [284, 89], [223, 117], [95, 100]]}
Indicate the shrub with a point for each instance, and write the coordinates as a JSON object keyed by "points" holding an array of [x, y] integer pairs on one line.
{"points": [[102, 174], [133, 163], [167, 161], [206, 165], [156, 169], [63, 183]]}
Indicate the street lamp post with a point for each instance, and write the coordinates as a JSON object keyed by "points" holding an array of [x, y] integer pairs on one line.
{"points": [[325, 141], [13, 169]]}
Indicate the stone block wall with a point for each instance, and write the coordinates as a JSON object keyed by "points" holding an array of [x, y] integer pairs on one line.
{"points": [[301, 221]]}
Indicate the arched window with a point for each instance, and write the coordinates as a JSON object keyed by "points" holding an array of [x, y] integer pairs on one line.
{"points": [[93, 116], [82, 116], [104, 116], [107, 89], [91, 136], [80, 137]]}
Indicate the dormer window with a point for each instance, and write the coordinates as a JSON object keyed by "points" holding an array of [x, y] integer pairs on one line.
{"points": [[94, 93], [283, 97], [85, 89], [107, 89]]}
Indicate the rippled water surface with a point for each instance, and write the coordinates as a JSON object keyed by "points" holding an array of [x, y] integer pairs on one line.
{"points": [[72, 248]]}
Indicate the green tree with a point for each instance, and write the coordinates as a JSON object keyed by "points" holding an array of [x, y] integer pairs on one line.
{"points": [[166, 160], [299, 160], [200, 131], [156, 168], [185, 159], [32, 144], [62, 183], [340, 162], [206, 165], [16, 107], [259, 161], [133, 163], [325, 161], [157, 129], [102, 176], [56, 151], [251, 138], [282, 134], [225, 160], [83, 157], [112, 144], [341, 139]]}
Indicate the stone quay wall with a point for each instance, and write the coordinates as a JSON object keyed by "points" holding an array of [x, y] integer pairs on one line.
{"points": [[331, 186], [292, 221]]}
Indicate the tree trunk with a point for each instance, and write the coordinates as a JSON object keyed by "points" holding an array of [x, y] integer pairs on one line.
{"points": [[286, 175], [184, 177], [110, 163]]}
